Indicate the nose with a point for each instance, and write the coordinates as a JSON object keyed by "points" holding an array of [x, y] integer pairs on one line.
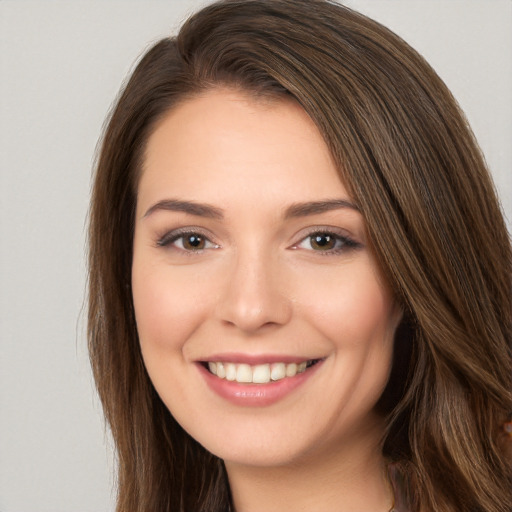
{"points": [[254, 296]]}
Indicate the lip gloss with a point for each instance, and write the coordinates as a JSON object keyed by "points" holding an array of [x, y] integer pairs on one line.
{"points": [[255, 395]]}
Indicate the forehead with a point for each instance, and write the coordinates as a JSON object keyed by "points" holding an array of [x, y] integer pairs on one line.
{"points": [[224, 143]]}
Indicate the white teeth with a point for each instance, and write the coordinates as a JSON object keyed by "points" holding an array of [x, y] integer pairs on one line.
{"points": [[278, 371], [244, 373], [230, 371], [258, 374], [261, 374], [221, 371], [291, 370]]}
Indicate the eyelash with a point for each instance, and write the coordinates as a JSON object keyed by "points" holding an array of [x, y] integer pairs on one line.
{"points": [[344, 242], [170, 238]]}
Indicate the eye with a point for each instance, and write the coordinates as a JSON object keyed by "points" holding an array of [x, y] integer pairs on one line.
{"points": [[189, 241], [327, 242]]}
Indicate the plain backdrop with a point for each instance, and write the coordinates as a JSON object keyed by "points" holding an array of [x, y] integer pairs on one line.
{"points": [[62, 63]]}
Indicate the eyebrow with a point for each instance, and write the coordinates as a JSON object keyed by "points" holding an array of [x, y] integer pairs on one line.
{"points": [[212, 212], [198, 209], [316, 207]]}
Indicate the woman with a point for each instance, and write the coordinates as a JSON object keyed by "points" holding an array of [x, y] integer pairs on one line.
{"points": [[299, 274]]}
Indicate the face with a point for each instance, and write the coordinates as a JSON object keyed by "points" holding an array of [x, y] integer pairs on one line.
{"points": [[264, 323]]}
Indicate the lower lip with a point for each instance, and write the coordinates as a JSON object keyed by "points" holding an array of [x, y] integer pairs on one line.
{"points": [[256, 395]]}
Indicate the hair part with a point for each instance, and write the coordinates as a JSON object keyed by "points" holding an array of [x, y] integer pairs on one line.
{"points": [[409, 159]]}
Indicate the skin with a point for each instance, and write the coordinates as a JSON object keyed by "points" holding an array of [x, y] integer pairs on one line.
{"points": [[258, 285]]}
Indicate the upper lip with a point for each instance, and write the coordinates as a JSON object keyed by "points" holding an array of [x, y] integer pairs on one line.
{"points": [[255, 359]]}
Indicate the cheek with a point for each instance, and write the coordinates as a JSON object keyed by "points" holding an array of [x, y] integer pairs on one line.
{"points": [[352, 308], [166, 306]]}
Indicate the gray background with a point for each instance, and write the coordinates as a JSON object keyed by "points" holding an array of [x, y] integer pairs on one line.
{"points": [[61, 66]]}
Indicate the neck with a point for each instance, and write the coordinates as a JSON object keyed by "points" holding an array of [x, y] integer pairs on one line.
{"points": [[352, 478]]}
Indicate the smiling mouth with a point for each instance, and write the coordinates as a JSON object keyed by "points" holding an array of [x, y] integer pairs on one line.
{"points": [[257, 374]]}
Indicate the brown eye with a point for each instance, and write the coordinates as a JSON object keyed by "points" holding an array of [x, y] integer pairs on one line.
{"points": [[190, 241], [327, 242], [193, 242], [322, 242]]}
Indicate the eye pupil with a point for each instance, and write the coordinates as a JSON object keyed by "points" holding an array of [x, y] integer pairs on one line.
{"points": [[193, 242], [322, 241]]}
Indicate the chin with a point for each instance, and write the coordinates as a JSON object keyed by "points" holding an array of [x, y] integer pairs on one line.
{"points": [[260, 455]]}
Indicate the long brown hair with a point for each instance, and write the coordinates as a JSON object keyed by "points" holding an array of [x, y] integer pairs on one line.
{"points": [[404, 149]]}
